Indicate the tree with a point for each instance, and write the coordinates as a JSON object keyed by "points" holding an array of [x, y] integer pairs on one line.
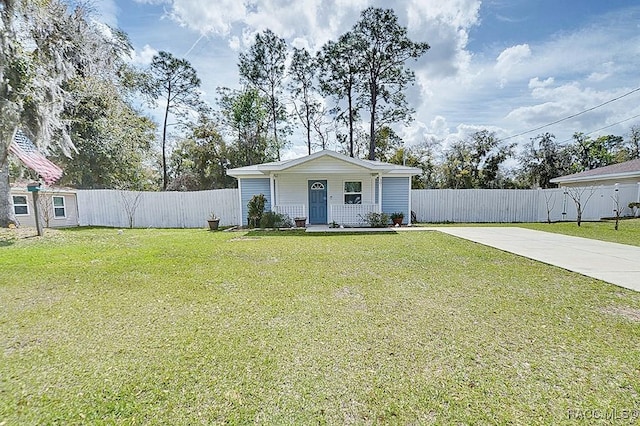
{"points": [[475, 162], [593, 153], [422, 157], [43, 46], [383, 76], [542, 160], [303, 70], [176, 82], [245, 117], [338, 75], [631, 146], [580, 196], [263, 68], [113, 140], [387, 143], [200, 161]]}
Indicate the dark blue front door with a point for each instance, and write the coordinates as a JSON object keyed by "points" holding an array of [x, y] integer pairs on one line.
{"points": [[317, 202]]}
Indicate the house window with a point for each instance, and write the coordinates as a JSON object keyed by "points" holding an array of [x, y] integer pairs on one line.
{"points": [[20, 206], [59, 210], [353, 192]]}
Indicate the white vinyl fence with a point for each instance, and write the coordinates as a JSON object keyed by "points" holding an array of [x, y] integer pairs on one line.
{"points": [[107, 207], [192, 209], [520, 205]]}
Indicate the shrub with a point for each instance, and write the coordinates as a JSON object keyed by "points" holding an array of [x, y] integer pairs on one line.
{"points": [[255, 209], [275, 220], [376, 220]]}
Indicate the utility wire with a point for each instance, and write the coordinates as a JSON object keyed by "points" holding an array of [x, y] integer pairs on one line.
{"points": [[575, 115], [601, 128]]}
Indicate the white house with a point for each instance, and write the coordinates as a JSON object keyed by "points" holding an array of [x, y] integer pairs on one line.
{"points": [[327, 187], [58, 207]]}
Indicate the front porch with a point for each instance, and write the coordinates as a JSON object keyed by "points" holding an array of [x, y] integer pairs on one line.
{"points": [[341, 214]]}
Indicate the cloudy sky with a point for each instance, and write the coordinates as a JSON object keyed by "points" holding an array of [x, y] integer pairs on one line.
{"points": [[506, 65]]}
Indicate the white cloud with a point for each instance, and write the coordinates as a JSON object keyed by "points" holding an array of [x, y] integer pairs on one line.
{"points": [[144, 56], [535, 83], [204, 18], [456, 89], [511, 57], [234, 43], [107, 12]]}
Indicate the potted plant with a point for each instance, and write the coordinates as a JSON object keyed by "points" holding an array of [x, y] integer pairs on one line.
{"points": [[634, 206], [300, 222], [397, 217], [214, 222]]}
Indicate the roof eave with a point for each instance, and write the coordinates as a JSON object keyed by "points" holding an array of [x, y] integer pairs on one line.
{"points": [[568, 179]]}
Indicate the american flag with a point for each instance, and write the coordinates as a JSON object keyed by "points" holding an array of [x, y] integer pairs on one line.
{"points": [[28, 153]]}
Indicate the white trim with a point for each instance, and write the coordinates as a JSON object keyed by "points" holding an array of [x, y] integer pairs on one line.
{"points": [[611, 176], [272, 185], [54, 207], [240, 201], [344, 192], [26, 204], [409, 207], [281, 166], [379, 193]]}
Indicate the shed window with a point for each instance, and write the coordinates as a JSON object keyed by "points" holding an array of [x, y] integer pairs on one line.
{"points": [[59, 210], [20, 206], [353, 192]]}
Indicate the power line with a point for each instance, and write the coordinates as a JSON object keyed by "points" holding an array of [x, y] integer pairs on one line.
{"points": [[602, 128], [574, 115]]}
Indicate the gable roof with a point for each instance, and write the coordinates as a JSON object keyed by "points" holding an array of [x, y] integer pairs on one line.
{"points": [[281, 166], [628, 169]]}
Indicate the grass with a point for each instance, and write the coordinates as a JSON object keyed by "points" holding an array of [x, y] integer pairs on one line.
{"points": [[192, 327], [628, 231]]}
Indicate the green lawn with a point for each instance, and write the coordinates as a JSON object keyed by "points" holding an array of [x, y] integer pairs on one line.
{"points": [[628, 231], [192, 327]]}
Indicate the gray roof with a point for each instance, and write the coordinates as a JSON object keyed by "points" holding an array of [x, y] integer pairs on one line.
{"points": [[627, 169], [279, 166]]}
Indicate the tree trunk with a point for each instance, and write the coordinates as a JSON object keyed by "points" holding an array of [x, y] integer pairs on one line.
{"points": [[350, 124], [275, 122], [7, 215], [308, 116], [165, 176], [372, 126]]}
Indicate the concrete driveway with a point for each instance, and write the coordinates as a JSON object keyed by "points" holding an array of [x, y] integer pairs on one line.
{"points": [[614, 263]]}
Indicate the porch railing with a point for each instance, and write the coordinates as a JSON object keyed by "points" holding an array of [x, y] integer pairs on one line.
{"points": [[351, 214], [291, 210]]}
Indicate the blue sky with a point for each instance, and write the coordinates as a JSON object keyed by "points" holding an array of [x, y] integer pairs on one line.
{"points": [[505, 65]]}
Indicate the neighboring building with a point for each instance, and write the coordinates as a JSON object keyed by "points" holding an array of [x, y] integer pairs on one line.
{"points": [[327, 187], [58, 206], [621, 173]]}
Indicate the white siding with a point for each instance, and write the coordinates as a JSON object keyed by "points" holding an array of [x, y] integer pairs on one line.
{"points": [[292, 189], [46, 208], [327, 165]]}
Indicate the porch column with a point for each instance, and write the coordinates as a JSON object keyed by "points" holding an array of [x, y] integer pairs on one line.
{"points": [[409, 208], [272, 188], [379, 192]]}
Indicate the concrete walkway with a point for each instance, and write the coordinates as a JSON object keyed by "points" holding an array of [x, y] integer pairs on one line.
{"points": [[614, 263]]}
